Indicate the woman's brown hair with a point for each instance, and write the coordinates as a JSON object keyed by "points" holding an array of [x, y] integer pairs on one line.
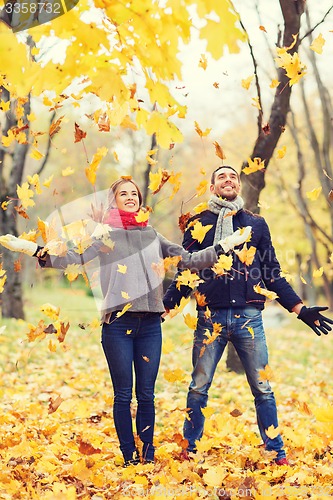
{"points": [[114, 188]]}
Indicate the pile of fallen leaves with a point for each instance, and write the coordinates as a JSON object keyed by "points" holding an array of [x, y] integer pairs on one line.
{"points": [[58, 440]]}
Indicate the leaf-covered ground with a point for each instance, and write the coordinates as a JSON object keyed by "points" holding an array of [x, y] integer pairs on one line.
{"points": [[57, 436]]}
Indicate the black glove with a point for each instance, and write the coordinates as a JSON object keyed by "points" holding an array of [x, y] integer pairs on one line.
{"points": [[311, 316]]}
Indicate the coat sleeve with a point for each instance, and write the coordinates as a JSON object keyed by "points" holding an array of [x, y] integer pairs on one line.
{"points": [[71, 257], [271, 272]]}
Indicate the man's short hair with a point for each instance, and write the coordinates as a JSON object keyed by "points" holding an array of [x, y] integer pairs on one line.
{"points": [[212, 180]]}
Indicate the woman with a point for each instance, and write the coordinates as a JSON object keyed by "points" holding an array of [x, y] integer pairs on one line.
{"points": [[130, 252]]}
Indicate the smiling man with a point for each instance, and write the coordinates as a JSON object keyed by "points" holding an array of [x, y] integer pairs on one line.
{"points": [[234, 302]]}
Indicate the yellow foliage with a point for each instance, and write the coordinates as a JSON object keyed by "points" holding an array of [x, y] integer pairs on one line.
{"points": [[199, 231], [318, 44], [223, 264]]}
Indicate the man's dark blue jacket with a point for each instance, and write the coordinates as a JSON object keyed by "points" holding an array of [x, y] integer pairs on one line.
{"points": [[235, 288]]}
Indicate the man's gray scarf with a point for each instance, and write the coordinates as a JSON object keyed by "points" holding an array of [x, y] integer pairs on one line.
{"points": [[224, 209]]}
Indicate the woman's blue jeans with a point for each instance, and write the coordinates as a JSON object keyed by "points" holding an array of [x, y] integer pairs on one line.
{"points": [[133, 340], [244, 328]]}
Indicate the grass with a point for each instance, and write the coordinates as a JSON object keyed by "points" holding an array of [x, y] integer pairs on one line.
{"points": [[31, 375]]}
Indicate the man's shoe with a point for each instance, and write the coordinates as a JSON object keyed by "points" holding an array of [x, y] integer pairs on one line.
{"points": [[282, 461]]}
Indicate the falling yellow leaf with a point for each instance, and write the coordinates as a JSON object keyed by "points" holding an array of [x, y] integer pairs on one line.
{"points": [[124, 309], [256, 103], [50, 310], [128, 332], [317, 273], [4, 105], [200, 298], [4, 205], [200, 132], [178, 309], [247, 82], [291, 63], [36, 155], [263, 291], [3, 278], [202, 188], [67, 171], [72, 271], [200, 207], [246, 255], [94, 164], [318, 44], [254, 165], [266, 374], [203, 62], [211, 336], [274, 83], [272, 432], [125, 295], [122, 268], [199, 231], [187, 278], [24, 193], [303, 280], [207, 412], [281, 152], [223, 264], [190, 321], [314, 194], [251, 331], [219, 151], [142, 216], [146, 359], [48, 181]]}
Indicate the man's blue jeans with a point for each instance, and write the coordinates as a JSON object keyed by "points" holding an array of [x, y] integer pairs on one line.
{"points": [[244, 328], [133, 339]]}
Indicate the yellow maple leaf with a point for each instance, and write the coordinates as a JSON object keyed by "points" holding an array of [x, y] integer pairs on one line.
{"points": [[247, 82], [200, 207], [35, 182], [8, 139], [214, 475], [174, 179], [4, 105], [4, 205], [94, 164], [251, 331], [24, 193], [219, 151], [203, 62], [223, 264], [36, 155], [199, 231], [74, 229], [263, 291], [318, 43], [202, 188], [211, 336], [142, 216], [217, 39], [281, 152], [67, 171], [291, 63], [167, 346], [124, 309], [266, 374], [169, 262], [200, 298], [246, 255], [50, 310], [190, 321], [155, 180], [256, 103], [200, 132], [122, 268], [187, 278], [178, 309], [207, 412], [272, 432], [274, 83], [125, 295], [48, 181], [317, 273], [254, 165], [52, 347], [72, 271], [314, 194]]}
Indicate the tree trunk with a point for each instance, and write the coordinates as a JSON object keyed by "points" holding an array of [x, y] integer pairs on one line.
{"points": [[11, 298]]}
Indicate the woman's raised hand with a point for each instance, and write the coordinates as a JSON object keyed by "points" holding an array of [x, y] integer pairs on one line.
{"points": [[18, 244]]}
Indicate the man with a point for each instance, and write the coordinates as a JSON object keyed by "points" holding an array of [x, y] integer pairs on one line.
{"points": [[234, 301]]}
